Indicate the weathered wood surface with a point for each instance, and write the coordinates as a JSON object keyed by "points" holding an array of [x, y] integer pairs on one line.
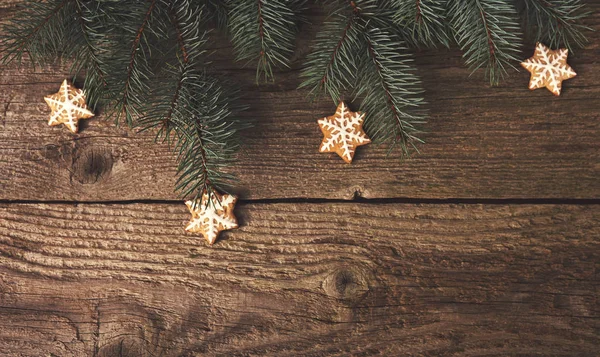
{"points": [[482, 142], [301, 280], [309, 279]]}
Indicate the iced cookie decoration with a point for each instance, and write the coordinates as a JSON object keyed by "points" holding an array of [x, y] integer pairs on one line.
{"points": [[68, 106], [343, 132], [548, 68], [211, 216]]}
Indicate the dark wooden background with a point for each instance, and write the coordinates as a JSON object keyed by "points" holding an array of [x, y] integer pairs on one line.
{"points": [[485, 244]]}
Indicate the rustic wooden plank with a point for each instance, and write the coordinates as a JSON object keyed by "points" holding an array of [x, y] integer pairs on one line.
{"points": [[301, 280], [504, 142]]}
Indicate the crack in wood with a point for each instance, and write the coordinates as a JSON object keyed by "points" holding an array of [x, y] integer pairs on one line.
{"points": [[96, 333], [358, 200], [5, 111]]}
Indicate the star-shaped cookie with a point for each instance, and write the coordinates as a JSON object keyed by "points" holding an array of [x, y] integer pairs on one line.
{"points": [[343, 132], [548, 68], [210, 217], [68, 106]]}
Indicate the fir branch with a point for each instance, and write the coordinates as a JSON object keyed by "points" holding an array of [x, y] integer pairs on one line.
{"points": [[423, 21], [359, 50], [86, 46], [392, 91], [192, 110], [140, 29], [554, 22], [38, 31], [331, 65], [263, 31], [208, 144], [488, 32]]}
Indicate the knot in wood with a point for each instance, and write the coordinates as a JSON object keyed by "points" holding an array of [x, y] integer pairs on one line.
{"points": [[125, 347], [346, 283], [92, 164]]}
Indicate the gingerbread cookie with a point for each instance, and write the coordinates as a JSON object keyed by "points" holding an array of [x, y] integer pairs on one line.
{"points": [[343, 132], [68, 106], [548, 68], [211, 217]]}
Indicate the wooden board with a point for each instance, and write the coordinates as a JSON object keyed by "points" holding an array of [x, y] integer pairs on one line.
{"points": [[301, 280], [504, 142]]}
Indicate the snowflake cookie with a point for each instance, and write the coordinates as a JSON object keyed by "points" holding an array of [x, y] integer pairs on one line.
{"points": [[68, 106], [548, 68], [212, 217], [343, 132]]}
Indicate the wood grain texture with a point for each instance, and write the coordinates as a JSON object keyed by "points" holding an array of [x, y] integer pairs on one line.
{"points": [[301, 280], [482, 142]]}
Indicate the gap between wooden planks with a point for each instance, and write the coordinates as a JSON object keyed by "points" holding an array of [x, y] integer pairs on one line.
{"points": [[482, 143], [332, 279]]}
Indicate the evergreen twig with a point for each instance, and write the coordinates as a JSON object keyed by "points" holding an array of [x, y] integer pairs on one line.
{"points": [[331, 66], [359, 51], [423, 21], [193, 111], [264, 31], [393, 94], [86, 44], [38, 31], [139, 32], [554, 22], [489, 33]]}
